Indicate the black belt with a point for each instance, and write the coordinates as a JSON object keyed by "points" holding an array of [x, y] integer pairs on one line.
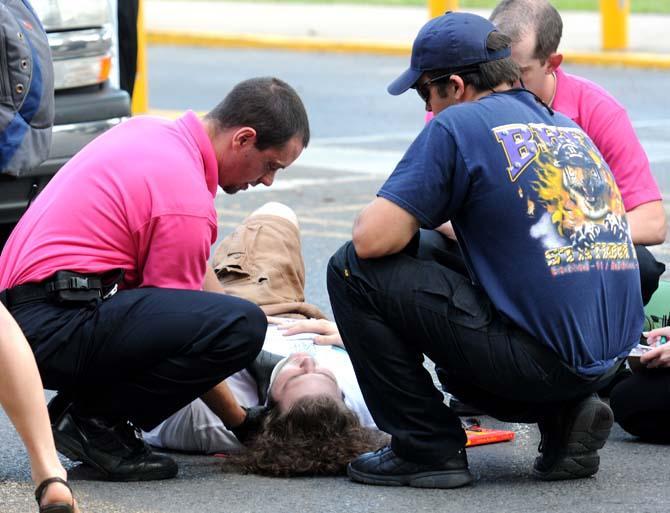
{"points": [[23, 294], [91, 286]]}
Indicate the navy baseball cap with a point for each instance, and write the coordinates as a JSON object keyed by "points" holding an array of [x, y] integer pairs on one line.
{"points": [[453, 41]]}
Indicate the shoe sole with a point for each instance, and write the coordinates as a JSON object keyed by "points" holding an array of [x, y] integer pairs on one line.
{"points": [[589, 433], [438, 479], [75, 452]]}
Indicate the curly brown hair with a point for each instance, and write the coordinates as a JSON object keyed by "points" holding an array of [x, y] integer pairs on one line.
{"points": [[317, 436]]}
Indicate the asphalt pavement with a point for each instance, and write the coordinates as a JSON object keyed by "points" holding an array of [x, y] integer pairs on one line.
{"points": [[504, 483], [359, 132]]}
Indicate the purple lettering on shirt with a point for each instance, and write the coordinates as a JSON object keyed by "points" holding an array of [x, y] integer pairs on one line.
{"points": [[548, 135], [575, 137], [519, 146]]}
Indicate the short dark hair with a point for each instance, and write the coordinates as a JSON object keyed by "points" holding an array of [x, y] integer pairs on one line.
{"points": [[317, 436], [268, 105], [517, 18], [487, 75]]}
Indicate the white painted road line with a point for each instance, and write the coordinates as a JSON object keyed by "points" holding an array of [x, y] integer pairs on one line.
{"points": [[286, 183], [354, 160]]}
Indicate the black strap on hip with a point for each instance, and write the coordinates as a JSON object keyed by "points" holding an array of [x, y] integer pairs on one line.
{"points": [[64, 287]]}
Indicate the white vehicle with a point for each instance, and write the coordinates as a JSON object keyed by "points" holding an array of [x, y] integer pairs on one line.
{"points": [[82, 38]]}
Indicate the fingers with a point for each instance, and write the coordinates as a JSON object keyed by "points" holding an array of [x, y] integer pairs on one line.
{"points": [[306, 326], [292, 326], [297, 327], [650, 356], [329, 340], [319, 326], [657, 357], [278, 320], [657, 333], [327, 330]]}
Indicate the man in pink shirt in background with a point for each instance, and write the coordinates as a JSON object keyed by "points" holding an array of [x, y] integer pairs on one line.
{"points": [[535, 27], [134, 211]]}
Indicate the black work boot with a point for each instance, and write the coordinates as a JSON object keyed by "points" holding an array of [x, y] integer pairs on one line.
{"points": [[57, 406], [117, 451], [571, 439], [384, 467]]}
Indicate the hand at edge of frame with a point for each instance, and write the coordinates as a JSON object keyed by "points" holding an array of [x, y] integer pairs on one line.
{"points": [[327, 332]]}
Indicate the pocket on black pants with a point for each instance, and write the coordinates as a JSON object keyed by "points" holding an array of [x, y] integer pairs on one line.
{"points": [[464, 305]]}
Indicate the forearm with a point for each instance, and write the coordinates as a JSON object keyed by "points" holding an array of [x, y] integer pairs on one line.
{"points": [[383, 228], [647, 223], [222, 402]]}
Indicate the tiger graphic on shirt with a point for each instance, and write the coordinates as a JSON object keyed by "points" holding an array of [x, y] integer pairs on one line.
{"points": [[569, 192]]}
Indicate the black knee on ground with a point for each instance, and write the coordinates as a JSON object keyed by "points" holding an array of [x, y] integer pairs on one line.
{"points": [[640, 405]]}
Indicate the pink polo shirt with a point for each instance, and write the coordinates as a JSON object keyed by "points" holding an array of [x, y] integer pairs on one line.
{"points": [[139, 197], [605, 121]]}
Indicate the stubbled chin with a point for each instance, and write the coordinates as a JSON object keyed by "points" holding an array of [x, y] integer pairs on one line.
{"points": [[231, 189]]}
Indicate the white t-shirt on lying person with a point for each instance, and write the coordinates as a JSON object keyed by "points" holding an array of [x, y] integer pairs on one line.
{"points": [[195, 428]]}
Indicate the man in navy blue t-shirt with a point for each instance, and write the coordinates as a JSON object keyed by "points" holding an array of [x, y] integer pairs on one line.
{"points": [[551, 302]]}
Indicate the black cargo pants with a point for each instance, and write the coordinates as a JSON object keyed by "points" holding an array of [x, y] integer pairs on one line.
{"points": [[394, 310], [144, 353]]}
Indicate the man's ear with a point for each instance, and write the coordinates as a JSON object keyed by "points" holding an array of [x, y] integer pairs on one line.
{"points": [[459, 86], [244, 137], [554, 61]]}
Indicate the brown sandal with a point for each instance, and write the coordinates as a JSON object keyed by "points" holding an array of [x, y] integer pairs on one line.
{"points": [[58, 507]]}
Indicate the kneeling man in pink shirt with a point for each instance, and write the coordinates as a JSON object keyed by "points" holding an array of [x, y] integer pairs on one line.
{"points": [[107, 272]]}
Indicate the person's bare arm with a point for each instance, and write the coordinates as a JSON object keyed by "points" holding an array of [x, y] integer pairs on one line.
{"points": [[383, 228], [648, 225], [211, 283], [222, 402], [22, 397]]}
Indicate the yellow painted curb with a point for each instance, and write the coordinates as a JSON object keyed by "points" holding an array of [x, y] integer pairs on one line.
{"points": [[625, 59], [310, 44], [303, 44]]}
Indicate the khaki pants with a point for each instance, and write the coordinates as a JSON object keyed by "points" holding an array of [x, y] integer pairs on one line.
{"points": [[261, 261]]}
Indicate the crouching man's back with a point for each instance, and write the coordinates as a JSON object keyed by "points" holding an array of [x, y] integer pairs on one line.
{"points": [[540, 223]]}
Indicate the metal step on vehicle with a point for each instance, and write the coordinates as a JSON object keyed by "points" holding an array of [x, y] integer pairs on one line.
{"points": [[82, 38]]}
